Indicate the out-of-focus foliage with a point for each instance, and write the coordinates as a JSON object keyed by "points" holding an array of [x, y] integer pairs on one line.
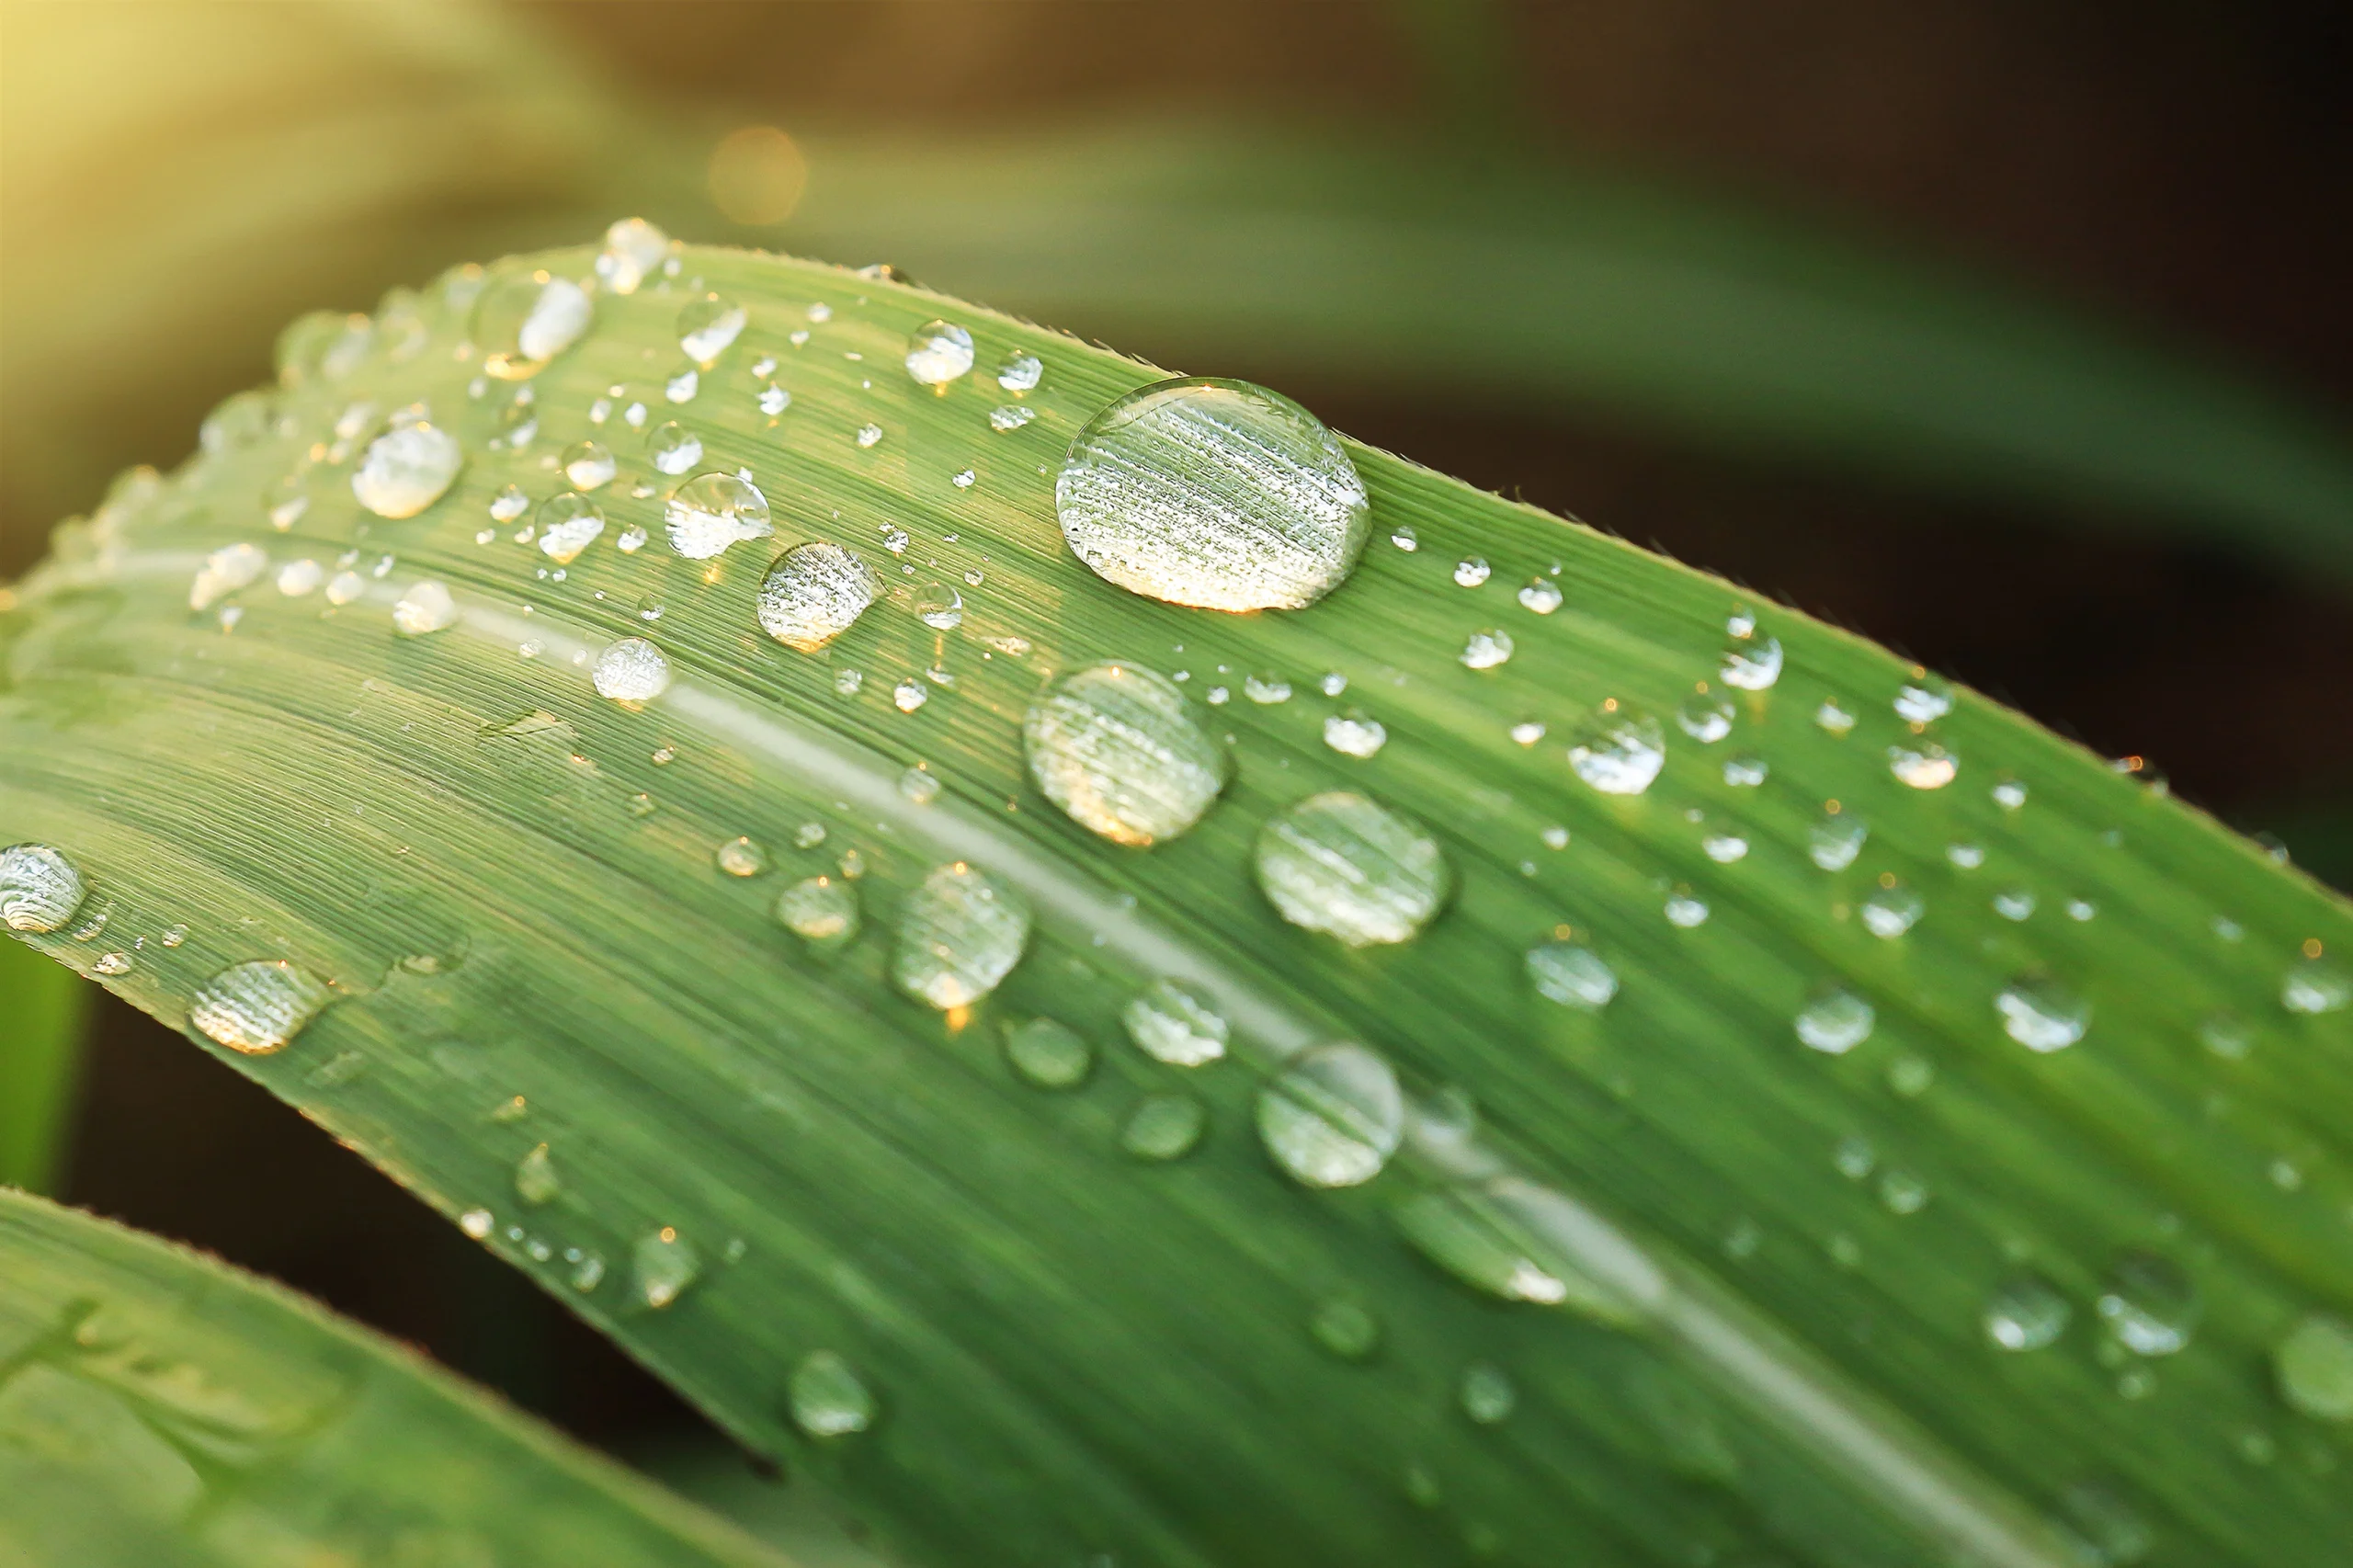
{"points": [[40, 1015]]}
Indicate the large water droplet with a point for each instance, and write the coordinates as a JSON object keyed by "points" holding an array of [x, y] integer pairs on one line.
{"points": [[40, 889], [813, 592], [2025, 1312], [938, 352], [1618, 751], [2043, 1015], [712, 511], [821, 911], [1923, 767], [634, 249], [226, 570], [1836, 1022], [1570, 975], [959, 934], [631, 670], [407, 469], [568, 524], [1342, 863], [1171, 1023], [1334, 1115], [255, 1008], [1487, 1394], [526, 319], [427, 606], [1115, 746], [2149, 1304], [829, 1399], [1163, 1127], [1048, 1052], [2314, 1364], [663, 1265], [708, 326], [1212, 493], [1752, 666], [1511, 1238]]}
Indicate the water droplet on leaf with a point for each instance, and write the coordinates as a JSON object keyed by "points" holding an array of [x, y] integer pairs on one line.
{"points": [[1333, 1117], [1341, 863], [257, 1008], [813, 592], [1115, 746], [960, 934]]}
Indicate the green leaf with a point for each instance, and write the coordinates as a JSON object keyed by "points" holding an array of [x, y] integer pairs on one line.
{"points": [[156, 1406], [39, 1042], [1647, 1280]]}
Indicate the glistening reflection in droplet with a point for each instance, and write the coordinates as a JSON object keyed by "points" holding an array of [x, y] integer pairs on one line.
{"points": [[1334, 1115], [712, 511], [1115, 746], [1216, 493], [813, 592], [960, 934], [1171, 1022], [39, 888], [1342, 863], [257, 1008]]}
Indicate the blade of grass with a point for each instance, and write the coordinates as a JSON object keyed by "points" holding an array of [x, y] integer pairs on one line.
{"points": [[158, 1406], [43, 1007], [558, 1017]]}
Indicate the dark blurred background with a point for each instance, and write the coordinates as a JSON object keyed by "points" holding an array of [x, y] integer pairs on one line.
{"points": [[2171, 179]]}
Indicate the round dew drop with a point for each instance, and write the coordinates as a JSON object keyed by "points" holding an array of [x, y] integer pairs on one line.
{"points": [[1618, 753], [661, 1267], [960, 934], [536, 1181], [2043, 1015], [2025, 1314], [1890, 912], [828, 1398], [1048, 1054], [1923, 767], [427, 607], [1020, 372], [631, 670], [226, 570], [712, 511], [940, 606], [813, 592], [742, 857], [821, 911], [672, 449], [2315, 1365], [2149, 1304], [40, 889], [589, 465], [2314, 986], [1116, 748], [1706, 719], [1164, 1127], [940, 352], [1835, 1023], [1834, 841], [1215, 494], [708, 326], [1346, 1328], [1487, 649], [1355, 734], [1752, 666], [526, 319], [1570, 975], [1334, 1115], [1340, 862], [634, 249], [406, 470], [1171, 1023], [257, 1009], [568, 524], [1487, 1394]]}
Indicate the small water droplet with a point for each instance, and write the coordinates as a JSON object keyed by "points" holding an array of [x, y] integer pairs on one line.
{"points": [[1836, 1022], [672, 449], [1924, 704], [1745, 771], [2081, 909], [867, 435], [112, 964], [567, 523], [1893, 909], [1901, 1192], [633, 250], [708, 326], [1572, 976], [1619, 752], [1404, 537], [1486, 649], [1487, 1394], [713, 511], [682, 385], [2313, 1362], [2025, 1312], [1834, 717], [1266, 688], [741, 857], [2149, 1304], [425, 608], [1341, 863], [2010, 794], [829, 1399], [940, 606], [1018, 372], [821, 911], [631, 670], [1527, 732], [1923, 767], [813, 592], [536, 1181], [1965, 856], [1117, 748], [1010, 417], [663, 1265], [2014, 904], [1346, 1329], [960, 934], [296, 578], [1706, 718], [1725, 849], [1685, 909], [1163, 1127], [1471, 570], [2225, 1035], [1333, 1117], [589, 465], [509, 504], [477, 1223], [227, 569], [1215, 494], [1753, 666], [2314, 985], [1541, 595], [909, 695], [1048, 1052], [1170, 1022], [40, 889], [2043, 1015], [525, 319], [940, 352], [1355, 732], [257, 1008]]}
